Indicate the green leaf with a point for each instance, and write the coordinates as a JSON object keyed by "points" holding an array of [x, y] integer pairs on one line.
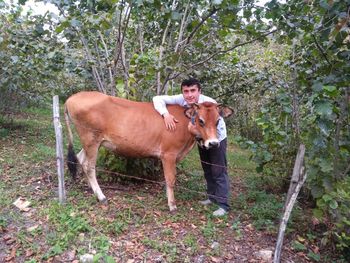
{"points": [[259, 169], [317, 87], [75, 23], [317, 191], [326, 165], [329, 88], [175, 15], [331, 91], [333, 204], [51, 54], [62, 26], [298, 246], [97, 257], [327, 198], [15, 58], [318, 213], [217, 2], [314, 256], [325, 127], [109, 259], [287, 109], [324, 108]]}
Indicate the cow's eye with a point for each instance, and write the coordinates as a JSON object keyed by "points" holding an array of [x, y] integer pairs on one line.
{"points": [[201, 122]]}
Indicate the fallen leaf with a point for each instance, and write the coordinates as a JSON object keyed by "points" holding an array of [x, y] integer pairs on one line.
{"points": [[250, 227], [10, 241], [315, 221], [29, 253], [104, 207], [7, 237], [32, 228], [158, 213], [214, 259], [300, 239], [68, 256], [13, 252], [315, 249], [22, 204], [9, 258]]}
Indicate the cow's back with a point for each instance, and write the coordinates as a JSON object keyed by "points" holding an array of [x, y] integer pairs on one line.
{"points": [[134, 128]]}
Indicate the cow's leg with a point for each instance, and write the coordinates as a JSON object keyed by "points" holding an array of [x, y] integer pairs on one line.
{"points": [[81, 156], [169, 167], [89, 158]]}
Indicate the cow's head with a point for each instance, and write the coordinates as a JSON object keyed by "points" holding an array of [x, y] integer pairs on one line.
{"points": [[204, 120]]}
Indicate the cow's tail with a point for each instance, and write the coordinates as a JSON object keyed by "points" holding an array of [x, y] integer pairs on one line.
{"points": [[72, 160]]}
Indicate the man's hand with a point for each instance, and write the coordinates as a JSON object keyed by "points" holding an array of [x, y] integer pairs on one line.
{"points": [[170, 121]]}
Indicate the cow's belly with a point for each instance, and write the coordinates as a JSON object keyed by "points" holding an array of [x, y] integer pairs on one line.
{"points": [[132, 149]]}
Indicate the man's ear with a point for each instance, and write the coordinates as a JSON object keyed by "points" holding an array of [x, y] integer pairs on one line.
{"points": [[225, 111]]}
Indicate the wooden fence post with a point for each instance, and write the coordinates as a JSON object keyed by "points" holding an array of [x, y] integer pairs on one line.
{"points": [[59, 150], [297, 181]]}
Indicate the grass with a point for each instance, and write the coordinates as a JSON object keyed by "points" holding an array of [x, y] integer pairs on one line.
{"points": [[190, 241], [167, 248], [136, 224]]}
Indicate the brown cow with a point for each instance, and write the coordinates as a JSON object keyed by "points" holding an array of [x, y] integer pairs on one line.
{"points": [[135, 129]]}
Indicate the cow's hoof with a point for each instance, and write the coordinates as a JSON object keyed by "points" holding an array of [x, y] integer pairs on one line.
{"points": [[173, 209], [104, 201]]}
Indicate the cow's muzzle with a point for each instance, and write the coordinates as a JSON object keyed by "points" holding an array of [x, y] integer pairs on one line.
{"points": [[214, 144], [211, 144]]}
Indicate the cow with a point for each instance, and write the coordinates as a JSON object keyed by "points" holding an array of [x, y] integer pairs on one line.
{"points": [[135, 129]]}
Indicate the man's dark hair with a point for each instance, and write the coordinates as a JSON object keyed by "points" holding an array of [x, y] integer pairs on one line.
{"points": [[191, 82]]}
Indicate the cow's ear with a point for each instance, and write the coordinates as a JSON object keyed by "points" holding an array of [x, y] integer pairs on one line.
{"points": [[225, 111], [189, 112]]}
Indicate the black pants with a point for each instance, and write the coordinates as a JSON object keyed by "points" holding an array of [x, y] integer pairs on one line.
{"points": [[214, 164]]}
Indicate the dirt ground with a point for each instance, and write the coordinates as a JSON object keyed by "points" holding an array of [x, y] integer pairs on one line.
{"points": [[135, 226]]}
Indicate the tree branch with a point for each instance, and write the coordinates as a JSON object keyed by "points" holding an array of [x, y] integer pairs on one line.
{"points": [[182, 27], [232, 48], [95, 73], [107, 59], [121, 35], [321, 50], [161, 51], [219, 52], [212, 12]]}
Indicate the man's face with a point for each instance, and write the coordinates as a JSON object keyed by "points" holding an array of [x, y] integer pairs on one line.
{"points": [[191, 93]]}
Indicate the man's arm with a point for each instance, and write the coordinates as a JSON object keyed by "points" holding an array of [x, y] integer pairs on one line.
{"points": [[160, 102]]}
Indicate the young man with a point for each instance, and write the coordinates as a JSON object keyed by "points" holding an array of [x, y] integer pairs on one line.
{"points": [[213, 160]]}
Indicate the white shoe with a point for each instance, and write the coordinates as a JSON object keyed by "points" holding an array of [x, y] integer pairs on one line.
{"points": [[206, 202], [220, 212]]}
